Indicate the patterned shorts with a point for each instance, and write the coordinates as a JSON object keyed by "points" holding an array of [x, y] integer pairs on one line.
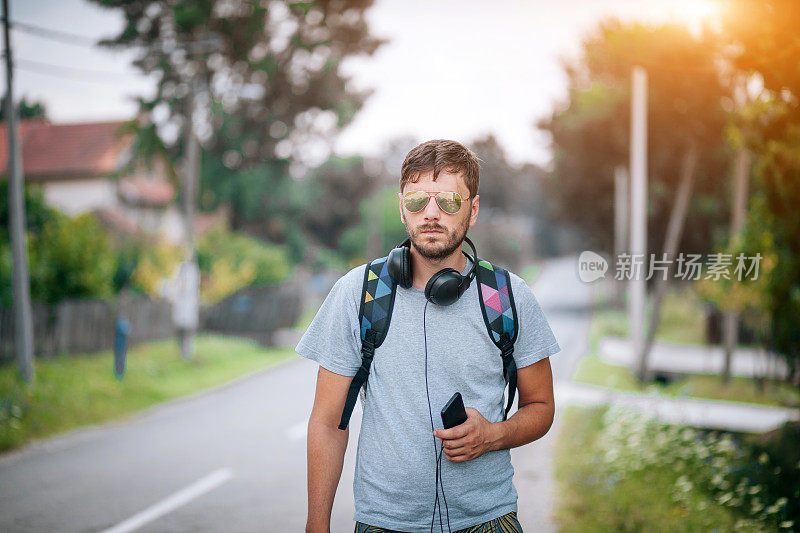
{"points": [[507, 523]]}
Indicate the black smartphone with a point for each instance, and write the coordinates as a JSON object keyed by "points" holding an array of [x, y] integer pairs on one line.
{"points": [[453, 412]]}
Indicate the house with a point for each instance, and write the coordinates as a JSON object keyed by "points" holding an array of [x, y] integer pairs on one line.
{"points": [[82, 167]]}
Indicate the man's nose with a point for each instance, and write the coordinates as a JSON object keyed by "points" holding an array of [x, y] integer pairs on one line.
{"points": [[432, 211]]}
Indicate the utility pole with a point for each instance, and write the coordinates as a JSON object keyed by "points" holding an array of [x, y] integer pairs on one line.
{"points": [[191, 167], [185, 292], [741, 174], [23, 321], [730, 323], [186, 317], [638, 227], [621, 223]]}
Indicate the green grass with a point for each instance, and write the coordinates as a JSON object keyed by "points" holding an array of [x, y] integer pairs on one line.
{"points": [[682, 321], [71, 391], [590, 501]]}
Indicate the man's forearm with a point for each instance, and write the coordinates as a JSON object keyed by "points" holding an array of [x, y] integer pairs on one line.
{"points": [[326, 448], [529, 423]]}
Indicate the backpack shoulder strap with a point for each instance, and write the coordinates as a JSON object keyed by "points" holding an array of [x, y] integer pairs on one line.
{"points": [[500, 317], [374, 314]]}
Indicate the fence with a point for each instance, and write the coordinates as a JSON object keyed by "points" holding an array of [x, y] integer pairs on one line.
{"points": [[83, 326], [256, 312]]}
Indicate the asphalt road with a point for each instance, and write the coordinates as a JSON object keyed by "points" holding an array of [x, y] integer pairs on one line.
{"points": [[233, 460], [566, 302]]}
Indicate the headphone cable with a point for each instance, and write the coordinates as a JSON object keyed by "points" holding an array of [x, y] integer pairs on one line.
{"points": [[441, 483], [436, 454]]}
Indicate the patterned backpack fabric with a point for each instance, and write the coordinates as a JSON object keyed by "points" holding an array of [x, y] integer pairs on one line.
{"points": [[377, 300], [500, 317], [375, 314]]}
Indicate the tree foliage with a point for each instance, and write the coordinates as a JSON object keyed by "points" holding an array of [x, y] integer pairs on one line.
{"points": [[69, 257], [353, 242], [332, 194], [504, 186], [763, 42], [268, 75], [37, 212], [25, 110], [590, 132]]}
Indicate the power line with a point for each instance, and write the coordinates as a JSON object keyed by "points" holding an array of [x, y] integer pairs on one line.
{"points": [[55, 35], [207, 45], [71, 72]]}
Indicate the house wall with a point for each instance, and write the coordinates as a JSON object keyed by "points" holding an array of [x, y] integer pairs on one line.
{"points": [[166, 222], [78, 195]]}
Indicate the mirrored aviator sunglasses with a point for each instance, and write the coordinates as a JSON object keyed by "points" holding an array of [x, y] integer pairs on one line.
{"points": [[449, 202]]}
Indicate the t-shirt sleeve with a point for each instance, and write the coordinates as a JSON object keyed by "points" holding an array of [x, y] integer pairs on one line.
{"points": [[535, 339], [333, 339]]}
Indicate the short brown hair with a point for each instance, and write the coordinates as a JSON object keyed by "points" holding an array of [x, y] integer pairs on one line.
{"points": [[438, 155]]}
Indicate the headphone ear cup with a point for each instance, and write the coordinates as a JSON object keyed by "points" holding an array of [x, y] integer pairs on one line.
{"points": [[399, 266], [407, 277], [442, 288]]}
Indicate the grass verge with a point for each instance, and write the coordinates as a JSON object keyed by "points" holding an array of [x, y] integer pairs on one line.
{"points": [[593, 502], [654, 478], [682, 321], [71, 391]]}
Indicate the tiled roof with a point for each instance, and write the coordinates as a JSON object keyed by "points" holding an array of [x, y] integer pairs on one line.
{"points": [[139, 190], [58, 151]]}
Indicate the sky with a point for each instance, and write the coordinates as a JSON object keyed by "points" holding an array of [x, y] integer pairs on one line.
{"points": [[457, 69]]}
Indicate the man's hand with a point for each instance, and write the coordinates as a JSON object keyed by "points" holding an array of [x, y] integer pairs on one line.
{"points": [[532, 420], [469, 440]]}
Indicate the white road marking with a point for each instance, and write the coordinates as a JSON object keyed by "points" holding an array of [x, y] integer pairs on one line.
{"points": [[182, 497], [298, 431]]}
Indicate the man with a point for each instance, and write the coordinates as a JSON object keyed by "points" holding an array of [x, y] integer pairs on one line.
{"points": [[429, 351]]}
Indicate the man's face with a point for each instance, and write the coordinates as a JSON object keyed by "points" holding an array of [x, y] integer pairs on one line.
{"points": [[434, 233]]}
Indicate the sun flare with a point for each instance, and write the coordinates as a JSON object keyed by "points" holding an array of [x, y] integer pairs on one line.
{"points": [[696, 13]]}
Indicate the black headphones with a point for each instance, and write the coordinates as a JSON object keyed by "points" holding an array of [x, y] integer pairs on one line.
{"points": [[444, 287]]}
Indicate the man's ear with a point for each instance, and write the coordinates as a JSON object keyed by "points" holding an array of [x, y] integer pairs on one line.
{"points": [[473, 216], [400, 207]]}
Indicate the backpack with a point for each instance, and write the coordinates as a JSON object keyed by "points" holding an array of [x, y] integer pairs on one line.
{"points": [[375, 313]]}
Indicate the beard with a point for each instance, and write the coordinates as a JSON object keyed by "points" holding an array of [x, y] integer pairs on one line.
{"points": [[446, 243]]}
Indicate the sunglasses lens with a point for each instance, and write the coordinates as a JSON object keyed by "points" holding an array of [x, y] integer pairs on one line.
{"points": [[416, 200], [450, 202]]}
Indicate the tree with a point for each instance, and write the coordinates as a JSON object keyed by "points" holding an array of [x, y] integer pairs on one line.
{"points": [[25, 110], [504, 186], [69, 258], [37, 212], [685, 122], [380, 209], [332, 193], [762, 42], [590, 131], [269, 78]]}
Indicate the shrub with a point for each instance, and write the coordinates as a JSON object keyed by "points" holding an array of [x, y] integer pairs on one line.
{"points": [[156, 263], [710, 469], [353, 242], [68, 257], [71, 258], [270, 262]]}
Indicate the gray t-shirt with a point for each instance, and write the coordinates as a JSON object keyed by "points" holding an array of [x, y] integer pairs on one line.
{"points": [[394, 485]]}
